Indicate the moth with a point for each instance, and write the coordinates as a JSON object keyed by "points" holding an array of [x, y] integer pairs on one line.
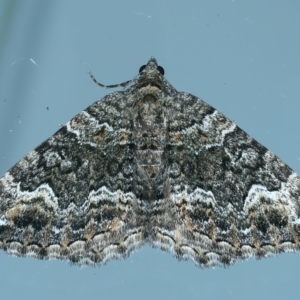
{"points": [[149, 164]]}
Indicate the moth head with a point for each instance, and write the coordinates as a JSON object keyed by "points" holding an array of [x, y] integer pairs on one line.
{"points": [[151, 74], [159, 69]]}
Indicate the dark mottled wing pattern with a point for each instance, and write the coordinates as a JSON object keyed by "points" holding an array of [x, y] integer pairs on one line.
{"points": [[226, 196], [150, 164], [72, 197]]}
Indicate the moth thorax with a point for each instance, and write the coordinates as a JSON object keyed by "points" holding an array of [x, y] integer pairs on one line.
{"points": [[150, 135]]}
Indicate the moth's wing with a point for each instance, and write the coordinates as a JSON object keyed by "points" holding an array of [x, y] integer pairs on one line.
{"points": [[226, 196], [71, 198]]}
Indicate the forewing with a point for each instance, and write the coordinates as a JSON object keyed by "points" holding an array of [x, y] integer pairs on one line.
{"points": [[225, 196], [71, 198]]}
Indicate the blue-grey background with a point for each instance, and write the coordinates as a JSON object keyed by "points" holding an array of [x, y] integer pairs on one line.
{"points": [[242, 57]]}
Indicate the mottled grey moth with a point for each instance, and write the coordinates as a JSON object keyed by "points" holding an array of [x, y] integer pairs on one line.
{"points": [[151, 165]]}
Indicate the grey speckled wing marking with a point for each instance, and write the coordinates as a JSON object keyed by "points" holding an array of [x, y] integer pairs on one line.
{"points": [[74, 196], [150, 164]]}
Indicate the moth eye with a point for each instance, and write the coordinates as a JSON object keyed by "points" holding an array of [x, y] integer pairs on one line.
{"points": [[142, 68], [161, 70]]}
